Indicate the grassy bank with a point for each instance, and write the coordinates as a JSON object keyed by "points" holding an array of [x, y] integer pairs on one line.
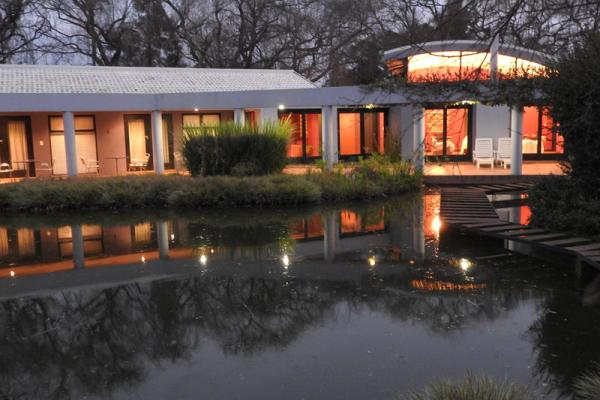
{"points": [[135, 192]]}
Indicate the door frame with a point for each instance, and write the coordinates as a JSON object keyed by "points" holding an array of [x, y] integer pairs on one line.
{"points": [[303, 112], [147, 132], [470, 123]]}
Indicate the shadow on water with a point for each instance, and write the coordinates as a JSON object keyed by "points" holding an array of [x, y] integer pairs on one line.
{"points": [[321, 302]]}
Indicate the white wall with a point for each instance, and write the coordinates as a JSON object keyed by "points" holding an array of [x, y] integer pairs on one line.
{"points": [[491, 122], [401, 128]]}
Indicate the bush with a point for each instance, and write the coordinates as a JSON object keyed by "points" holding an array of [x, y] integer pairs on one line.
{"points": [[234, 149], [557, 203], [472, 388], [587, 386]]}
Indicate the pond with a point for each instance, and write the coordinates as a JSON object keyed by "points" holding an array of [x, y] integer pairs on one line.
{"points": [[354, 302]]}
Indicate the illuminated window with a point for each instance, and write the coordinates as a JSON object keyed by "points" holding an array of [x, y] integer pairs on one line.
{"points": [[361, 132], [540, 135], [447, 131], [85, 143], [305, 140]]}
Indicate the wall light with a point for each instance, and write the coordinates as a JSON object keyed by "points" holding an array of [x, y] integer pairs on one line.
{"points": [[372, 261], [370, 106], [203, 259], [281, 107], [196, 109], [285, 260], [465, 264]]}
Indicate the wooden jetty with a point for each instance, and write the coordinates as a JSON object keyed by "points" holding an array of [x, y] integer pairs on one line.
{"points": [[469, 209]]}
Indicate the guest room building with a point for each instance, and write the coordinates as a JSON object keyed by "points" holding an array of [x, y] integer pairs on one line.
{"points": [[69, 120]]}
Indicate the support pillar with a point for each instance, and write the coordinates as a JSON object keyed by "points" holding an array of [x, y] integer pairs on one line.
{"points": [[419, 138], [157, 143], [516, 133], [239, 116], [494, 47], [162, 237], [70, 144], [78, 249], [329, 136]]}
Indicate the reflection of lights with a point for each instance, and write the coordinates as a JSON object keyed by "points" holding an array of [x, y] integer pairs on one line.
{"points": [[281, 107], [12, 274], [372, 261], [212, 251], [285, 260], [436, 224], [196, 109], [172, 236], [143, 259], [412, 262], [464, 264], [203, 259]]}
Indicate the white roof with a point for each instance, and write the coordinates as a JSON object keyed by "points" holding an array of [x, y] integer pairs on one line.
{"points": [[54, 79]]}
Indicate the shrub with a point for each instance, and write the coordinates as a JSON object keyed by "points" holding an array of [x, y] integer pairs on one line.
{"points": [[557, 203], [231, 148], [587, 386], [472, 388]]}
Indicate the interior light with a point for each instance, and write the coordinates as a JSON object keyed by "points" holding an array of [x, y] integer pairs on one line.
{"points": [[464, 264], [372, 261], [172, 236], [436, 224], [281, 107]]}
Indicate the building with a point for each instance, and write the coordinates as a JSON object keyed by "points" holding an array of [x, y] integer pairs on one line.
{"points": [[65, 120]]}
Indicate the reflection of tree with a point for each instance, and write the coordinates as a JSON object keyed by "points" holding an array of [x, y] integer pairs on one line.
{"points": [[566, 338], [95, 341]]}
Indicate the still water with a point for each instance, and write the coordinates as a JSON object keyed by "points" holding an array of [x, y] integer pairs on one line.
{"points": [[356, 302]]}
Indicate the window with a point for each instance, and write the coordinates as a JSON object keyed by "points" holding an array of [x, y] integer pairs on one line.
{"points": [[540, 136], [361, 132], [201, 119], [85, 142], [16, 145], [447, 131], [305, 140]]}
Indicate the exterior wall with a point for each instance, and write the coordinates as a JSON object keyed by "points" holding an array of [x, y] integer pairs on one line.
{"points": [[491, 122]]}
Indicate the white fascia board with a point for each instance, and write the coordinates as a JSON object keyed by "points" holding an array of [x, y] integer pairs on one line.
{"points": [[290, 98]]}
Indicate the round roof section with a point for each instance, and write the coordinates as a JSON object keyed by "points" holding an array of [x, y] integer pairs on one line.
{"points": [[474, 46]]}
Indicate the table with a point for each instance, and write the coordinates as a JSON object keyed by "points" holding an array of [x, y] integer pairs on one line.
{"points": [[117, 158], [27, 164]]}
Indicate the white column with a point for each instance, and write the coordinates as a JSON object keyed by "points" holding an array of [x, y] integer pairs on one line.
{"points": [[494, 47], [239, 116], [78, 247], [329, 135], [516, 133], [419, 137], [157, 143], [70, 144]]}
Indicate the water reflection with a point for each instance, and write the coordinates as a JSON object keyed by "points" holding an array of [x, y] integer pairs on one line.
{"points": [[105, 308]]}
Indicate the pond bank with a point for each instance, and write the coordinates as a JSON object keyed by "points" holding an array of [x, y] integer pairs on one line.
{"points": [[187, 192]]}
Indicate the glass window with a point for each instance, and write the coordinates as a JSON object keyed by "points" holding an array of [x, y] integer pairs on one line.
{"points": [[552, 140], [211, 119], [305, 139], [349, 133], [191, 120], [374, 132], [312, 129], [530, 130], [447, 131], [540, 135], [295, 145], [85, 143]]}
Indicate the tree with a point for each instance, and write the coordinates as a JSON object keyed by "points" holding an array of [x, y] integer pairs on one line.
{"points": [[19, 29]]}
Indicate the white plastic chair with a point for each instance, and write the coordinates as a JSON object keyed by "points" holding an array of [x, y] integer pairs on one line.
{"points": [[484, 152], [5, 168], [91, 165], [504, 154], [140, 165]]}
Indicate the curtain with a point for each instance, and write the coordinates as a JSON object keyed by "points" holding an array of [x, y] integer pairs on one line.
{"points": [[142, 232], [26, 242], [165, 134], [3, 242], [17, 139], [137, 139]]}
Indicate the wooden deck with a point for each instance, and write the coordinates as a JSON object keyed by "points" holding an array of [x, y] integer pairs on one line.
{"points": [[469, 209]]}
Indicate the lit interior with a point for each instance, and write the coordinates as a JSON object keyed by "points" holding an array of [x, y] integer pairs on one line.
{"points": [[446, 131], [464, 65]]}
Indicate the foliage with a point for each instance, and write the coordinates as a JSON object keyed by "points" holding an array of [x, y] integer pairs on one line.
{"points": [[558, 203], [573, 92], [371, 179], [235, 149], [472, 388], [587, 386]]}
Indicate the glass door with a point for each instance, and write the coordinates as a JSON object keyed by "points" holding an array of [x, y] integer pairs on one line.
{"points": [[139, 141], [85, 143], [306, 137], [16, 146], [448, 132]]}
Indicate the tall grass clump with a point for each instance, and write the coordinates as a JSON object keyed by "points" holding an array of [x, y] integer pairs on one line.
{"points": [[472, 388], [236, 149], [587, 386]]}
